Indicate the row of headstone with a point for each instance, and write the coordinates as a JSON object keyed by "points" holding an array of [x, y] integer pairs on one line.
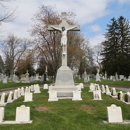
{"points": [[13, 95], [97, 90], [22, 116], [124, 97], [104, 88]]}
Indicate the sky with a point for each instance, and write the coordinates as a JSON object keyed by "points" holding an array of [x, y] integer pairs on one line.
{"points": [[92, 15]]}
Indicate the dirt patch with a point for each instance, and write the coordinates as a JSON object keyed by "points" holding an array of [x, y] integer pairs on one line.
{"points": [[87, 107], [42, 108]]}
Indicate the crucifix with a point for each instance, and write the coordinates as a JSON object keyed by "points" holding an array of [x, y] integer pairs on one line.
{"points": [[64, 27]]}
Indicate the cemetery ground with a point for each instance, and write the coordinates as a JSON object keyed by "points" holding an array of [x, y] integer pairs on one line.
{"points": [[66, 114], [87, 114]]}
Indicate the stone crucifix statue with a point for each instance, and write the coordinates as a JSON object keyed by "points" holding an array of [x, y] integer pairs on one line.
{"points": [[64, 27]]}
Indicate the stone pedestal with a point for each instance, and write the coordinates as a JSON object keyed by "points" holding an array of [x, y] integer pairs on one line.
{"points": [[64, 76], [64, 86], [64, 82]]}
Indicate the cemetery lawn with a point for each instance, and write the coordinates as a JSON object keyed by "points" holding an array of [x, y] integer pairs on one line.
{"points": [[106, 82], [66, 114], [16, 85]]}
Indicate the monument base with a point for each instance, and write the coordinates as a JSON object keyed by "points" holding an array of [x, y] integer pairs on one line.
{"points": [[64, 77], [64, 86]]}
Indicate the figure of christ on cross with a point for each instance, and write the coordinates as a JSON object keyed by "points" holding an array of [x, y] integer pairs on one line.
{"points": [[64, 36], [64, 27]]}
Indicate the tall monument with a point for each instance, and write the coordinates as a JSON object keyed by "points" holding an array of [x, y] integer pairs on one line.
{"points": [[64, 78], [64, 73]]}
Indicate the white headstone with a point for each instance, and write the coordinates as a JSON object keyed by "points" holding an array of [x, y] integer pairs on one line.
{"points": [[27, 77], [28, 97], [32, 88], [22, 91], [77, 95], [113, 93], [97, 87], [103, 89], [91, 87], [5, 80], [114, 114], [1, 114], [45, 86], [26, 90], [52, 94], [97, 95], [121, 77], [19, 92], [10, 97], [15, 94], [98, 76], [2, 101], [37, 77], [120, 96], [22, 114], [37, 89], [85, 77], [107, 90]]}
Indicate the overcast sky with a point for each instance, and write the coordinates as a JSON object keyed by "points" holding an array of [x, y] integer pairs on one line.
{"points": [[92, 15]]}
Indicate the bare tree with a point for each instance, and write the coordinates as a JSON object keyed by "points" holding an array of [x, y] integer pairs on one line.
{"points": [[8, 15], [13, 49]]}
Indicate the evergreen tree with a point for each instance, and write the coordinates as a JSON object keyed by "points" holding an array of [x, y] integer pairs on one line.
{"points": [[116, 50]]}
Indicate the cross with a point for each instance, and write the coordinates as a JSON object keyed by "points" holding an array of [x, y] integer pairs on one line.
{"points": [[64, 27]]}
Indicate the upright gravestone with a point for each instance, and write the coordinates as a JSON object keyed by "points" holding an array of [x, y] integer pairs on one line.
{"points": [[64, 84], [27, 77], [98, 76], [1, 114], [37, 77], [91, 87], [114, 114], [3, 100], [120, 96], [105, 75], [15, 78], [127, 98], [85, 77], [45, 86], [114, 93], [103, 89], [23, 114], [10, 97], [121, 77], [22, 91], [15, 94], [116, 76], [37, 88], [97, 95], [107, 90], [28, 97], [5, 80]]}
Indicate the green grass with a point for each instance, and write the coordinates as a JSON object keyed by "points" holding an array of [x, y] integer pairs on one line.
{"points": [[15, 85], [106, 82], [66, 114]]}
